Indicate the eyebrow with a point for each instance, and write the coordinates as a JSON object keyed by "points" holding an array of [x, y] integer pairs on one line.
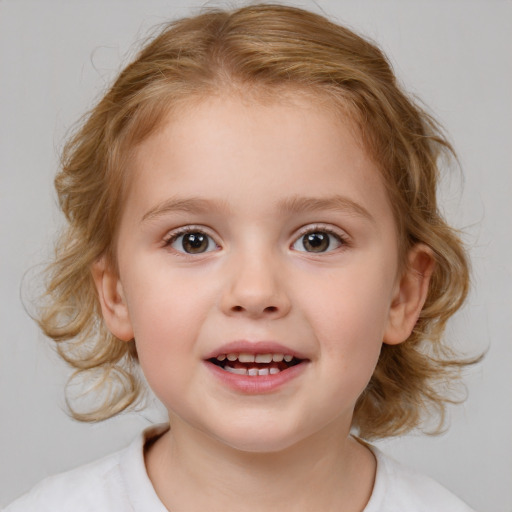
{"points": [[194, 205], [333, 203], [293, 205]]}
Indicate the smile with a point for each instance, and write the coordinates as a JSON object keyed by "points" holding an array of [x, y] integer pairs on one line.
{"points": [[254, 368], [255, 365]]}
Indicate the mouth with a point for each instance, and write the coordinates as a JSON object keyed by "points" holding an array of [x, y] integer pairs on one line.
{"points": [[255, 365]]}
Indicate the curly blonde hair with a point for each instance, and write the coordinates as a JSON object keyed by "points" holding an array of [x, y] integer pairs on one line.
{"points": [[266, 48]]}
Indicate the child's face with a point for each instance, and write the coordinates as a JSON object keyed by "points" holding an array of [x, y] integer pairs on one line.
{"points": [[289, 248]]}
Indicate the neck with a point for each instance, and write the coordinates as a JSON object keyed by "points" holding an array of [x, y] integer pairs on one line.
{"points": [[328, 471]]}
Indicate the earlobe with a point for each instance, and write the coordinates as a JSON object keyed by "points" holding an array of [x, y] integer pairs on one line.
{"points": [[410, 295], [112, 300]]}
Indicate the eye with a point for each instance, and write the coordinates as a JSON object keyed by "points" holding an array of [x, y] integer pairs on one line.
{"points": [[317, 241], [192, 242]]}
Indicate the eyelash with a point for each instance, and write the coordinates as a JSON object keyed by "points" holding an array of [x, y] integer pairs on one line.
{"points": [[171, 238], [342, 239]]}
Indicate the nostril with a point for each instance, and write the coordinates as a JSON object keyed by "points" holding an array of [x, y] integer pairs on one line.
{"points": [[268, 309]]}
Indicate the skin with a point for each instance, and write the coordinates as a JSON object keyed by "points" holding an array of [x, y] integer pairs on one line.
{"points": [[252, 167]]}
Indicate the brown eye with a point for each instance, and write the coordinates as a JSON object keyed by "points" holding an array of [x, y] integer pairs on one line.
{"points": [[318, 241], [193, 242]]}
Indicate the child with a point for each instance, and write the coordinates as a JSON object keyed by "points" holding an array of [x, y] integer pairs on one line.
{"points": [[252, 220]]}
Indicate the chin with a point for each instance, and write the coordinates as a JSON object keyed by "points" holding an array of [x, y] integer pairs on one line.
{"points": [[260, 439], [261, 446]]}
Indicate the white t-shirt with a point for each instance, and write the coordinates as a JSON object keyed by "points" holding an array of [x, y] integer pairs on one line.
{"points": [[120, 483]]}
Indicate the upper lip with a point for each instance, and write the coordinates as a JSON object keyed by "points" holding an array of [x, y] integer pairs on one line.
{"points": [[254, 347]]}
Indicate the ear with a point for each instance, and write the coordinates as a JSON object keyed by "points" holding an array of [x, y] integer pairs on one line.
{"points": [[410, 295], [112, 300]]}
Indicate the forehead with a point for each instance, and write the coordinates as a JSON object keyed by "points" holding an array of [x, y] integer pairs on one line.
{"points": [[235, 148]]}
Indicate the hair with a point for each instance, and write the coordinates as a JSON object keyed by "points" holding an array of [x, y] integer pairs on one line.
{"points": [[267, 49]]}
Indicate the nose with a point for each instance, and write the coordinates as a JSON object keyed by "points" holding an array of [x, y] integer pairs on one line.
{"points": [[256, 289]]}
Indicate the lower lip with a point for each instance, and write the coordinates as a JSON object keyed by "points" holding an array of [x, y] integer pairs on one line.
{"points": [[257, 384]]}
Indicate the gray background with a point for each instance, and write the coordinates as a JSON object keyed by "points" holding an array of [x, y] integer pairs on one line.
{"points": [[57, 57]]}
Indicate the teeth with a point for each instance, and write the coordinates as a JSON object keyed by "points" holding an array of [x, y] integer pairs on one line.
{"points": [[246, 358], [258, 358], [264, 358], [238, 371], [253, 372]]}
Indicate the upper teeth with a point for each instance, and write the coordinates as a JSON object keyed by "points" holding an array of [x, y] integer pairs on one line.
{"points": [[255, 358]]}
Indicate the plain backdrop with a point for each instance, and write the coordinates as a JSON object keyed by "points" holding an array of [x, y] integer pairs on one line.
{"points": [[56, 58]]}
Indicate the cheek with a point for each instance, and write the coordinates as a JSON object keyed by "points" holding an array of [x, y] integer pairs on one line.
{"points": [[348, 309], [161, 304], [349, 319], [163, 321]]}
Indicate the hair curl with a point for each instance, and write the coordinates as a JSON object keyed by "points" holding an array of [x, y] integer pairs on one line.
{"points": [[268, 48]]}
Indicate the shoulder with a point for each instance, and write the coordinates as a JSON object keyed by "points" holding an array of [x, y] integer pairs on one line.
{"points": [[114, 483], [88, 487], [398, 488]]}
